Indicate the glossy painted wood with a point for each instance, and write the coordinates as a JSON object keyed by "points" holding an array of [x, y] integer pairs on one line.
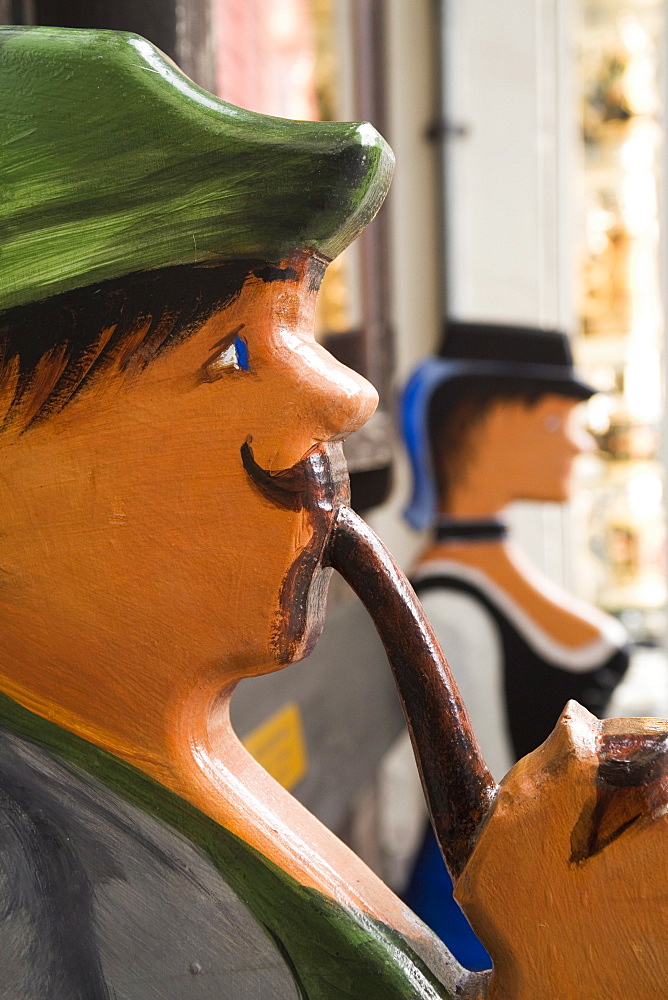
{"points": [[172, 469], [491, 420], [173, 499], [521, 647], [157, 576], [521, 451], [562, 869], [150, 170]]}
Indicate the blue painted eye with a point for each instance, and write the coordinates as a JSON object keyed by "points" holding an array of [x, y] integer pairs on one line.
{"points": [[233, 358], [241, 349]]}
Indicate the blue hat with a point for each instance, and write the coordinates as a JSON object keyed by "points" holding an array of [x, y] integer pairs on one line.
{"points": [[478, 350]]}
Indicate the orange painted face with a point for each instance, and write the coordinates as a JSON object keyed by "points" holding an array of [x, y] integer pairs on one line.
{"points": [[553, 439], [532, 448], [142, 523]]}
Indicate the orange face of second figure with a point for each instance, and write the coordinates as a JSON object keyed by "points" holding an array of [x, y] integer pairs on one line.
{"points": [[528, 450]]}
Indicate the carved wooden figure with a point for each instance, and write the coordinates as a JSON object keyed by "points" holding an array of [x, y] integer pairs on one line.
{"points": [[173, 501], [170, 475], [489, 421], [561, 869]]}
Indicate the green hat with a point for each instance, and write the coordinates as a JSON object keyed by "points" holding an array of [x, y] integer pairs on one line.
{"points": [[113, 161]]}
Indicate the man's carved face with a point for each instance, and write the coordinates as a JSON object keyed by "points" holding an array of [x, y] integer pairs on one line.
{"points": [[135, 541]]}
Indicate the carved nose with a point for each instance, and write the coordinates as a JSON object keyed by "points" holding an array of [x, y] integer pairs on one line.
{"points": [[336, 400], [309, 399]]}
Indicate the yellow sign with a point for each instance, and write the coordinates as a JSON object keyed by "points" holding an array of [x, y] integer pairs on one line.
{"points": [[278, 745]]}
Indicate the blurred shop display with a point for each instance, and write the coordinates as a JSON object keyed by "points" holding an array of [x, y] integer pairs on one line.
{"points": [[619, 346], [324, 60]]}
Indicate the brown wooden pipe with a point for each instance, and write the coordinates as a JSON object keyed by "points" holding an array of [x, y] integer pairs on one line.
{"points": [[458, 786]]}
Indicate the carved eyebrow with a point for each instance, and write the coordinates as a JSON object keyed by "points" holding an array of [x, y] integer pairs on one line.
{"points": [[213, 368]]}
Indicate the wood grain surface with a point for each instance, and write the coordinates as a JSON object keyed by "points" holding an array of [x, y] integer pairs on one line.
{"points": [[567, 884]]}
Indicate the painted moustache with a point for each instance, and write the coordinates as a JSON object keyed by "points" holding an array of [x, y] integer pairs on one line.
{"points": [[319, 485]]}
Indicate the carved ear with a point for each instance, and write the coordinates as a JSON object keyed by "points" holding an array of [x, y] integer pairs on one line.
{"points": [[576, 734], [631, 786]]}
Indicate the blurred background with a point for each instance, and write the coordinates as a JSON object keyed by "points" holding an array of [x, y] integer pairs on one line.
{"points": [[529, 137]]}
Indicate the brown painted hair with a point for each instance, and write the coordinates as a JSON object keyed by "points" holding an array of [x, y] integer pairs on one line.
{"points": [[51, 350]]}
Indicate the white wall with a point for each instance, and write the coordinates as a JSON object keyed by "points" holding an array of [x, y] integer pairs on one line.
{"points": [[508, 84]]}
